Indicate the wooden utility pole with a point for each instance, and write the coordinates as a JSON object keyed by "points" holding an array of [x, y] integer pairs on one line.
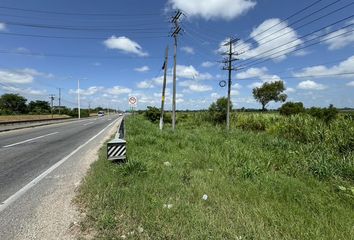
{"points": [[177, 30], [164, 67], [229, 67]]}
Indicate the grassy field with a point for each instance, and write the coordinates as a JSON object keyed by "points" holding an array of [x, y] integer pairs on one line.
{"points": [[260, 183], [10, 118]]}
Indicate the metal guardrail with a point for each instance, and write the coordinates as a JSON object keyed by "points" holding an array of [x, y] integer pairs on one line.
{"points": [[116, 148]]}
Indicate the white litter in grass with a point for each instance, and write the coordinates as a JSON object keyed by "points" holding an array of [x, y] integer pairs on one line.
{"points": [[167, 164], [205, 197], [140, 229], [123, 237], [168, 206]]}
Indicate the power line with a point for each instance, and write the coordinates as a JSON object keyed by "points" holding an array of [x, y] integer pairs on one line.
{"points": [[309, 15], [82, 28], [256, 62], [79, 13], [69, 37], [305, 76], [304, 36], [291, 16], [70, 56]]}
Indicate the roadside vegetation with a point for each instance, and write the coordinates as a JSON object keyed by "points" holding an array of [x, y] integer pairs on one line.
{"points": [[273, 176], [14, 107]]}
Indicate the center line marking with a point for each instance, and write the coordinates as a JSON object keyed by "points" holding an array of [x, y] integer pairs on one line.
{"points": [[29, 140], [88, 123]]}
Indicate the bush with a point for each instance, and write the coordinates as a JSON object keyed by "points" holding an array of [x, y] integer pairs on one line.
{"points": [[325, 114], [291, 108], [218, 111], [152, 114]]}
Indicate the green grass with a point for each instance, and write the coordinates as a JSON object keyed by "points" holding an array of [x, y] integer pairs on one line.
{"points": [[259, 186]]}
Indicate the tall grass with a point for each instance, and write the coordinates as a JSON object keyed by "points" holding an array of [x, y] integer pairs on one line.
{"points": [[259, 186]]}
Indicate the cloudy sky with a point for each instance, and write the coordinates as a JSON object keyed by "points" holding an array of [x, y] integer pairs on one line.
{"points": [[116, 49]]}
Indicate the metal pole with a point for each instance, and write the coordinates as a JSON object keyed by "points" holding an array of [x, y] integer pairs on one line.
{"points": [[78, 99], [59, 100], [164, 89]]}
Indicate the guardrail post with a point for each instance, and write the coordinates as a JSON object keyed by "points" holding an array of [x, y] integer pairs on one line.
{"points": [[116, 148]]}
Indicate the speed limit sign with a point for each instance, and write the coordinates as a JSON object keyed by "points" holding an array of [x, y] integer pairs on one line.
{"points": [[133, 100]]}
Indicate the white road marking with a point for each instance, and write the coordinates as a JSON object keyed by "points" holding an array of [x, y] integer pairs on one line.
{"points": [[29, 140], [88, 123], [35, 181]]}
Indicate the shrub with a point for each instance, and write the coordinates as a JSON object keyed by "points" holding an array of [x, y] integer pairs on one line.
{"points": [[291, 108], [325, 114], [152, 114], [218, 111]]}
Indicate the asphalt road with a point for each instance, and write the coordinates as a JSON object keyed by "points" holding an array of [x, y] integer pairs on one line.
{"points": [[25, 154]]}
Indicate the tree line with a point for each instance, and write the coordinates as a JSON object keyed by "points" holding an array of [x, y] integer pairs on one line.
{"points": [[11, 104]]}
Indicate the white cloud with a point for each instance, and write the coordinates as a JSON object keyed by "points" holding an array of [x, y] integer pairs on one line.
{"points": [[118, 90], [215, 95], [2, 26], [346, 38], [142, 69], [188, 50], [350, 84], [24, 91], [199, 88], [208, 64], [189, 72], [311, 85], [213, 9], [87, 92], [289, 90], [279, 40], [125, 44], [145, 84], [21, 76], [258, 73], [343, 67]]}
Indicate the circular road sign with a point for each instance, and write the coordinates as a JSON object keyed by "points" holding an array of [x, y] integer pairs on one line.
{"points": [[222, 83], [132, 100]]}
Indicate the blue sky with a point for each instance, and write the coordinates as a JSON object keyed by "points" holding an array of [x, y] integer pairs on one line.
{"points": [[116, 50]]}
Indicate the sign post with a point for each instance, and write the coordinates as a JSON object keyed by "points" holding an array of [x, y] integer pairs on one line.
{"points": [[133, 101]]}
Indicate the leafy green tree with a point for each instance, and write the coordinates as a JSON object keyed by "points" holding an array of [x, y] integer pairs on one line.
{"points": [[152, 114], [13, 104], [268, 92], [39, 107], [291, 108], [218, 110]]}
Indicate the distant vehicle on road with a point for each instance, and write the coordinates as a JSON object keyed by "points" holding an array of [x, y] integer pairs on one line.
{"points": [[120, 114], [100, 113]]}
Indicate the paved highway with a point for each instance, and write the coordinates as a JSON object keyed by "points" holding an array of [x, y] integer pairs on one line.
{"points": [[26, 154]]}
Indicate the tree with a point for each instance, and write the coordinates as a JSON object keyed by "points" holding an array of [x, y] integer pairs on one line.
{"points": [[291, 108], [218, 110], [39, 107], [325, 114], [152, 114], [270, 92], [13, 104]]}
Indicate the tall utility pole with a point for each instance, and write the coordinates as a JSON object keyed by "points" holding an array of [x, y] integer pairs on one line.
{"points": [[177, 29], [59, 100], [78, 99], [229, 67], [51, 96], [164, 67]]}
